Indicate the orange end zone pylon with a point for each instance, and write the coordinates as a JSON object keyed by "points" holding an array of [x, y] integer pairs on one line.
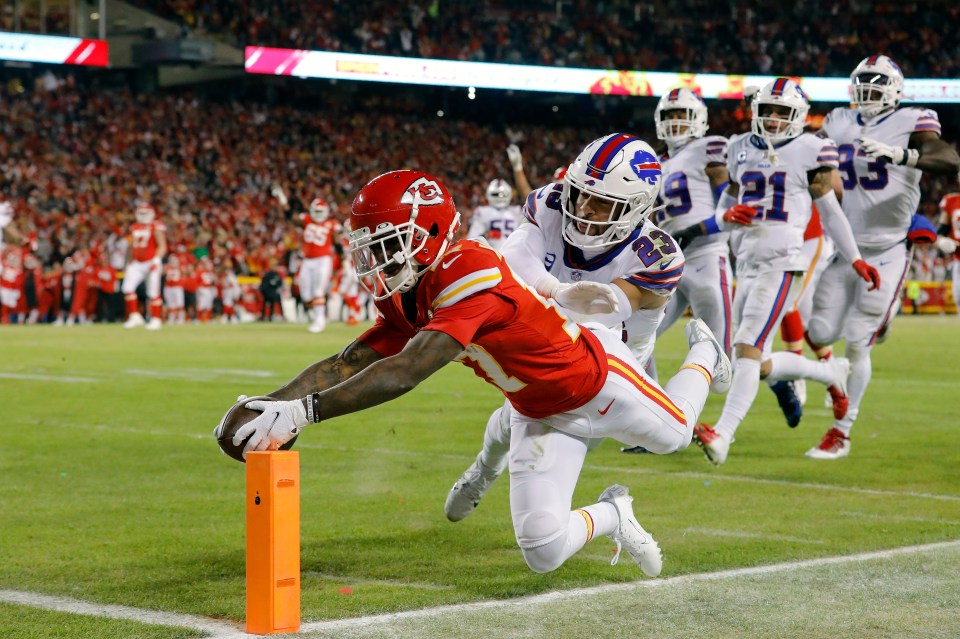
{"points": [[273, 542]]}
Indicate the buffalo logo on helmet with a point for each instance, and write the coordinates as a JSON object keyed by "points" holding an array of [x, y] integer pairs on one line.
{"points": [[423, 191], [646, 166]]}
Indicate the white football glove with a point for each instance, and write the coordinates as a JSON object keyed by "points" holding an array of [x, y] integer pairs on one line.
{"points": [[946, 244], [587, 298], [875, 150], [515, 157], [278, 424]]}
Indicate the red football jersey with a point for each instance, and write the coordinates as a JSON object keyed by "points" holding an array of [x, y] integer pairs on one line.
{"points": [[143, 239], [514, 339], [318, 237], [951, 205]]}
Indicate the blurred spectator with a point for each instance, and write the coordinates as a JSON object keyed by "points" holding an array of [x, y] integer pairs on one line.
{"points": [[725, 36]]}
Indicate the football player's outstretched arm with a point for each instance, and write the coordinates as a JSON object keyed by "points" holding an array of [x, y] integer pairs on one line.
{"points": [[379, 382], [837, 225], [391, 377], [329, 372], [936, 156]]}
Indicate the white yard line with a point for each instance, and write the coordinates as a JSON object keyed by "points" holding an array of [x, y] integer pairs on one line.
{"points": [[110, 611], [34, 377], [223, 630]]}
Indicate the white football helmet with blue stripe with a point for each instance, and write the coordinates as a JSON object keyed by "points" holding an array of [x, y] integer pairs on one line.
{"points": [[675, 131], [782, 92], [876, 85], [617, 177], [499, 194]]}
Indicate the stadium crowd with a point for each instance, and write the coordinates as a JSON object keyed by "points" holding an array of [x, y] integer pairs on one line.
{"points": [[76, 159], [806, 38]]}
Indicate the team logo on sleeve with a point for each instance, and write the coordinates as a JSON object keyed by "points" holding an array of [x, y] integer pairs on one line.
{"points": [[646, 166], [424, 191]]}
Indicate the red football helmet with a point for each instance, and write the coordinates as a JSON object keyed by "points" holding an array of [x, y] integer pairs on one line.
{"points": [[319, 210], [402, 221]]}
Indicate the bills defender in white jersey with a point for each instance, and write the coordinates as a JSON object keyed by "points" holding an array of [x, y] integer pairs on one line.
{"points": [[776, 173], [694, 169], [589, 246], [496, 220], [883, 150]]}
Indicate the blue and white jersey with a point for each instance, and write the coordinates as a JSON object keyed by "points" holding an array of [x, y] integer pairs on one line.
{"points": [[779, 193], [493, 224], [879, 198], [648, 258], [687, 193]]}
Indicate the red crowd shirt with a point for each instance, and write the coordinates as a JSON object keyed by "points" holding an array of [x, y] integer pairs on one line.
{"points": [[542, 362]]}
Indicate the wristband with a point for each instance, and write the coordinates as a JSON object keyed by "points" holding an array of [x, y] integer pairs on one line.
{"points": [[308, 400], [314, 407], [911, 157]]}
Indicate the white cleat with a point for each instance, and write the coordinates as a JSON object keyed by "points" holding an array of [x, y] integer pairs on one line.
{"points": [[469, 490], [834, 445], [135, 320], [154, 324], [630, 534], [715, 445], [698, 331]]}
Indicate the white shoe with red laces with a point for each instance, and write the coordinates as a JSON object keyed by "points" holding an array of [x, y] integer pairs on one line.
{"points": [[833, 446], [715, 446]]}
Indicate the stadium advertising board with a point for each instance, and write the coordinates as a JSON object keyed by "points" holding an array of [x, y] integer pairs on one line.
{"points": [[518, 77], [24, 47]]}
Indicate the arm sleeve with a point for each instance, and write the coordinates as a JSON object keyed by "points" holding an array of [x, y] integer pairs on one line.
{"points": [[837, 226], [524, 251], [725, 202]]}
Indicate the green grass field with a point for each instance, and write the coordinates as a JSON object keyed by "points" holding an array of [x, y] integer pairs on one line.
{"points": [[114, 494]]}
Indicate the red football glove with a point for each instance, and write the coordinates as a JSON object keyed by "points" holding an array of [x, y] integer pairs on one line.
{"points": [[868, 273], [740, 214]]}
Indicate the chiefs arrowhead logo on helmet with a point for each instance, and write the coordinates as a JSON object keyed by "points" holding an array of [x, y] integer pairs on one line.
{"points": [[423, 191]]}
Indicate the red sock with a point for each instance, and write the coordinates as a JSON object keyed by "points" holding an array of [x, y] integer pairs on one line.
{"points": [[791, 332], [131, 303], [822, 352]]}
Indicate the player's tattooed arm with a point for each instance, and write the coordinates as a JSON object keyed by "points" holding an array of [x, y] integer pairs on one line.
{"points": [[821, 181], [391, 377], [936, 156], [329, 372]]}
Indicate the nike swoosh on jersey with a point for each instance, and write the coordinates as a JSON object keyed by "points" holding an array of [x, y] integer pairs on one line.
{"points": [[604, 411], [446, 265], [664, 265]]}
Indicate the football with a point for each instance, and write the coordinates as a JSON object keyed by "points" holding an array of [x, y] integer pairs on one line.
{"points": [[237, 416]]}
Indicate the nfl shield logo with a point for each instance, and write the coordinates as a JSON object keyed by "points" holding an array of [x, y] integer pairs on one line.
{"points": [[576, 276]]}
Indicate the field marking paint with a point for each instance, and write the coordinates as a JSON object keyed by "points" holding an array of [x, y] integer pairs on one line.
{"points": [[112, 611], [224, 630], [49, 378], [743, 534], [920, 520], [347, 580], [580, 593]]}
